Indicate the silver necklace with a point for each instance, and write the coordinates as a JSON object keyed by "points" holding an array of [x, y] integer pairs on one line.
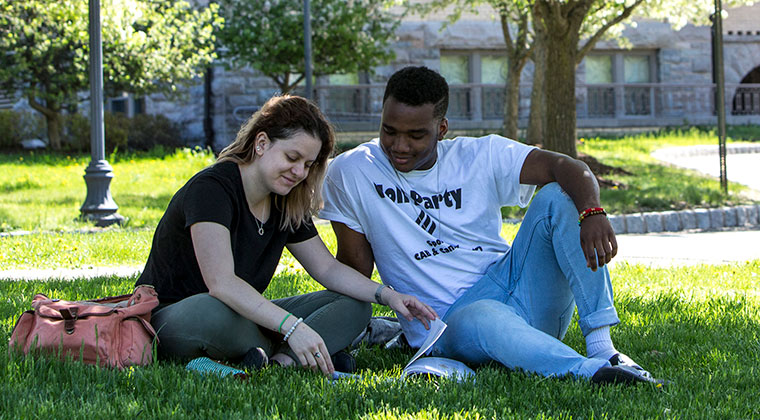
{"points": [[260, 224]]}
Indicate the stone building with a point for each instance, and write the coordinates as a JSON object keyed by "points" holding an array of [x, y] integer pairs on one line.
{"points": [[664, 79]]}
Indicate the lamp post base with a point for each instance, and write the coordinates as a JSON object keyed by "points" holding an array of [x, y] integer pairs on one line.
{"points": [[99, 206]]}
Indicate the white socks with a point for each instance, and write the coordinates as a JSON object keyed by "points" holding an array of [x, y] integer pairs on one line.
{"points": [[599, 344]]}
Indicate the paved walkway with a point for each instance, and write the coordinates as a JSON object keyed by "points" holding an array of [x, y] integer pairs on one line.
{"points": [[742, 161], [691, 247]]}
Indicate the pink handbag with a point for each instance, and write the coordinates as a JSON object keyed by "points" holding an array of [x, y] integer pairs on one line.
{"points": [[113, 331]]}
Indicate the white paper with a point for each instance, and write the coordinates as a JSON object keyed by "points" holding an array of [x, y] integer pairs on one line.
{"points": [[434, 333]]}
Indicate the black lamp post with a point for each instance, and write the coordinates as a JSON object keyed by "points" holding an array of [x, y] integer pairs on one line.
{"points": [[307, 47], [98, 206], [720, 94]]}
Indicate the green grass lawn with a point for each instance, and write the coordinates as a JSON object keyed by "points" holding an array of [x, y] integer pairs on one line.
{"points": [[652, 186], [696, 326]]}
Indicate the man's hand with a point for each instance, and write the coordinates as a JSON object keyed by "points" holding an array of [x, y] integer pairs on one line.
{"points": [[409, 306], [597, 241]]}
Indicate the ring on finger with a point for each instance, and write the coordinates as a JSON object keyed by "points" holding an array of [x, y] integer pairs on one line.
{"points": [[317, 355]]}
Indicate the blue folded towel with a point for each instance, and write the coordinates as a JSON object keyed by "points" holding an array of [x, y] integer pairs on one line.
{"points": [[206, 366]]}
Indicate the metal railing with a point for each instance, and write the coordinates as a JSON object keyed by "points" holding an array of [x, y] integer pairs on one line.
{"points": [[615, 102]]}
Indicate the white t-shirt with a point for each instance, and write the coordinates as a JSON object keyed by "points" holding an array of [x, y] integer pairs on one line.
{"points": [[433, 232]]}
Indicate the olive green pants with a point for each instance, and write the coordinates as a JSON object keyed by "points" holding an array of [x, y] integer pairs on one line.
{"points": [[202, 325]]}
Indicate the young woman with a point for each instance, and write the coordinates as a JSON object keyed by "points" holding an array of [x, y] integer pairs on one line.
{"points": [[216, 249]]}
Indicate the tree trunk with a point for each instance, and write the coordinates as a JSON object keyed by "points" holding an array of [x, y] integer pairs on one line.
{"points": [[562, 26], [53, 118], [512, 101], [537, 118], [560, 84]]}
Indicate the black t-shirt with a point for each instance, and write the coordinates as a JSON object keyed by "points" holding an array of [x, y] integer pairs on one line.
{"points": [[215, 194]]}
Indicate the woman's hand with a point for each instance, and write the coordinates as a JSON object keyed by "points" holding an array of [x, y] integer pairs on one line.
{"points": [[408, 306], [310, 349]]}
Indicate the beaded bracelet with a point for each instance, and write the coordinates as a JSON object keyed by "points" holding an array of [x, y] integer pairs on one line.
{"points": [[590, 212], [292, 328], [279, 329]]}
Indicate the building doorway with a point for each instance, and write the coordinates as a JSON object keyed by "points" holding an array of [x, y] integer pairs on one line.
{"points": [[747, 98]]}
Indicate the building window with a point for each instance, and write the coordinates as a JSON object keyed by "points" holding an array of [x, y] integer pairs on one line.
{"points": [[476, 83], [601, 99], [455, 68], [611, 79], [493, 69], [598, 69], [126, 104], [636, 69], [344, 96]]}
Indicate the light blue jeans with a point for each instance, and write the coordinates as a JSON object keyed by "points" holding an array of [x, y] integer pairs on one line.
{"points": [[519, 311]]}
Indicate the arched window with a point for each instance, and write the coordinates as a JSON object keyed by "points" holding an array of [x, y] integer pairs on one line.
{"points": [[747, 98]]}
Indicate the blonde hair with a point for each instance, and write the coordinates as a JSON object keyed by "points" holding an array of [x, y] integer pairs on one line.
{"points": [[281, 118]]}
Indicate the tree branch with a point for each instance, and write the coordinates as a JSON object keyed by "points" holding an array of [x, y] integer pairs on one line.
{"points": [[522, 36], [593, 40], [505, 31], [47, 112]]}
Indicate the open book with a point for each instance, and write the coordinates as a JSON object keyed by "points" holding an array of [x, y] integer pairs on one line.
{"points": [[436, 366]]}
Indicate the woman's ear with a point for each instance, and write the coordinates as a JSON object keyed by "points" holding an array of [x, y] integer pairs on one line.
{"points": [[261, 142]]}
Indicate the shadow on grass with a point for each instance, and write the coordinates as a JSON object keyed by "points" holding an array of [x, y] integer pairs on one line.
{"points": [[160, 202], [63, 201], [50, 157], [646, 190], [26, 184]]}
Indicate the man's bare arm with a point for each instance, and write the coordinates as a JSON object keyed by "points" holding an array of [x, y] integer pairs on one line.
{"points": [[597, 236], [353, 249]]}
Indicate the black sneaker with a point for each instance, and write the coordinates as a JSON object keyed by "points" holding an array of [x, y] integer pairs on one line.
{"points": [[343, 362], [255, 359], [624, 371]]}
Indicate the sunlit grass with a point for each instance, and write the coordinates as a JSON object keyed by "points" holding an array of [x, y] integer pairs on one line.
{"points": [[699, 327], [652, 186], [46, 192], [116, 247]]}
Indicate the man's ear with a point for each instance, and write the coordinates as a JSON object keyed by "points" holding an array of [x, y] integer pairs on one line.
{"points": [[443, 128]]}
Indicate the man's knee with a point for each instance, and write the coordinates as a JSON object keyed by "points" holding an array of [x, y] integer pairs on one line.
{"points": [[552, 193], [485, 316]]}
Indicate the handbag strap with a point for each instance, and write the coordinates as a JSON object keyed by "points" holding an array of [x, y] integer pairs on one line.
{"points": [[70, 317]]}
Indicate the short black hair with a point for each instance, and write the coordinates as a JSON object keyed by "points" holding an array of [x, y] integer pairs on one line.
{"points": [[417, 86]]}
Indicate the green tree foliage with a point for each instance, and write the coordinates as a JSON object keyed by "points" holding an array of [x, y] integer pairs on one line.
{"points": [[561, 33], [347, 36], [148, 46]]}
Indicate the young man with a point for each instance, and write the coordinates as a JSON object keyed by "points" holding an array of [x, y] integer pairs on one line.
{"points": [[426, 211]]}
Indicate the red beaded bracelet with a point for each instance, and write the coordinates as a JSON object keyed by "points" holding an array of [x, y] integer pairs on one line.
{"points": [[590, 212]]}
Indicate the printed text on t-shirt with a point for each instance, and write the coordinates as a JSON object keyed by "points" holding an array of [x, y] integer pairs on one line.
{"points": [[449, 198]]}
